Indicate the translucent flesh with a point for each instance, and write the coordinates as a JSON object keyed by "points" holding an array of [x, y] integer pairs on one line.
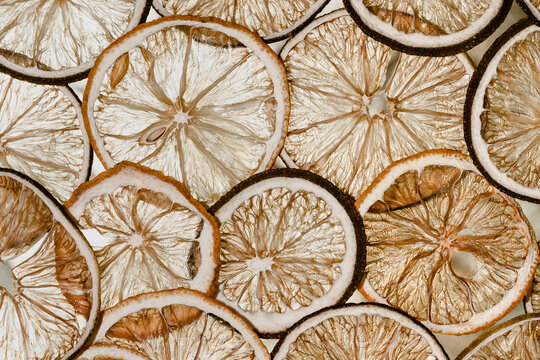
{"points": [[410, 251], [40, 135], [146, 242], [64, 33], [511, 122], [200, 113], [335, 75], [534, 296], [280, 250]]}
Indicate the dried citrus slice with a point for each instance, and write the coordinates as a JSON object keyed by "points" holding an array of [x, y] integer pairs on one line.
{"points": [[147, 232], [531, 7], [60, 42], [455, 26], [155, 325], [356, 105], [49, 279], [273, 20], [501, 115], [532, 300], [358, 331], [518, 338], [110, 352], [292, 243], [458, 260], [210, 116]]}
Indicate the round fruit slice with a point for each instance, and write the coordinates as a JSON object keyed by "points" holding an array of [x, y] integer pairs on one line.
{"points": [[273, 20], [515, 339], [147, 232], [180, 324], [501, 115], [358, 331], [457, 259], [110, 352], [532, 300], [531, 7], [210, 116], [292, 243], [356, 105], [60, 42], [433, 27], [49, 279]]}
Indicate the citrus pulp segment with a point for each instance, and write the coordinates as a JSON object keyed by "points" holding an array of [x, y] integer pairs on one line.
{"points": [[356, 105], [50, 299], [458, 260], [147, 232], [530, 7], [110, 352], [532, 300], [167, 96], [502, 110], [292, 243]]}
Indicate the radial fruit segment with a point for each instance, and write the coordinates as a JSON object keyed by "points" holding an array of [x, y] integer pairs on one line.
{"points": [[357, 106], [110, 352], [458, 260], [532, 300]]}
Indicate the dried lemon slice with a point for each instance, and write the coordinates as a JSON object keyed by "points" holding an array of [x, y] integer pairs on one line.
{"points": [[49, 279], [532, 300], [356, 106], [457, 25], [155, 325], [518, 338], [358, 331], [531, 7], [60, 42], [110, 352], [147, 232], [210, 116], [458, 260], [292, 243], [501, 116]]}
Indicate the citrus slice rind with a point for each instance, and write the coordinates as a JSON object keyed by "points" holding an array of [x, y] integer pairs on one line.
{"points": [[148, 233], [531, 8], [514, 339], [363, 331], [456, 32], [223, 331], [457, 261], [271, 20], [110, 352], [292, 243], [532, 300], [166, 96], [501, 133], [50, 309]]}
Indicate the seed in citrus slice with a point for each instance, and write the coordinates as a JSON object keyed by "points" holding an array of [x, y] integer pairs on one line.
{"points": [[531, 8], [165, 96], [358, 331], [60, 42], [532, 300], [110, 352], [153, 324], [49, 279], [292, 243], [457, 26], [147, 232], [458, 260], [517, 338], [356, 105], [502, 112]]}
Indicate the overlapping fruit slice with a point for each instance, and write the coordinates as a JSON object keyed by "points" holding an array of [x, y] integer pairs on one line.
{"points": [[292, 243], [532, 300], [518, 338], [41, 135], [49, 279], [356, 105], [358, 331], [147, 232], [60, 42], [172, 95], [456, 26], [110, 352], [180, 324], [501, 118], [457, 259], [531, 7]]}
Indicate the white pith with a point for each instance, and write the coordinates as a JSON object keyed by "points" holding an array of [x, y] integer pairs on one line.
{"points": [[532, 9], [111, 351]]}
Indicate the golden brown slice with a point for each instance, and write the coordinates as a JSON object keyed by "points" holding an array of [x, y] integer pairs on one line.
{"points": [[110, 352]]}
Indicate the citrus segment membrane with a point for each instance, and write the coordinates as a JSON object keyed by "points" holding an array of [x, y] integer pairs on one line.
{"points": [[357, 106], [292, 243], [148, 233], [503, 106], [207, 114], [458, 260], [110, 352], [358, 331], [155, 325], [531, 7], [49, 305]]}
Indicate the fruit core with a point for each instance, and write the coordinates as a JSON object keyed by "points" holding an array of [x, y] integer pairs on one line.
{"points": [[7, 280], [257, 264]]}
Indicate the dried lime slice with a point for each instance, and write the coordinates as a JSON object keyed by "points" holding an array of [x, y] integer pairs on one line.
{"points": [[110, 352], [532, 300]]}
